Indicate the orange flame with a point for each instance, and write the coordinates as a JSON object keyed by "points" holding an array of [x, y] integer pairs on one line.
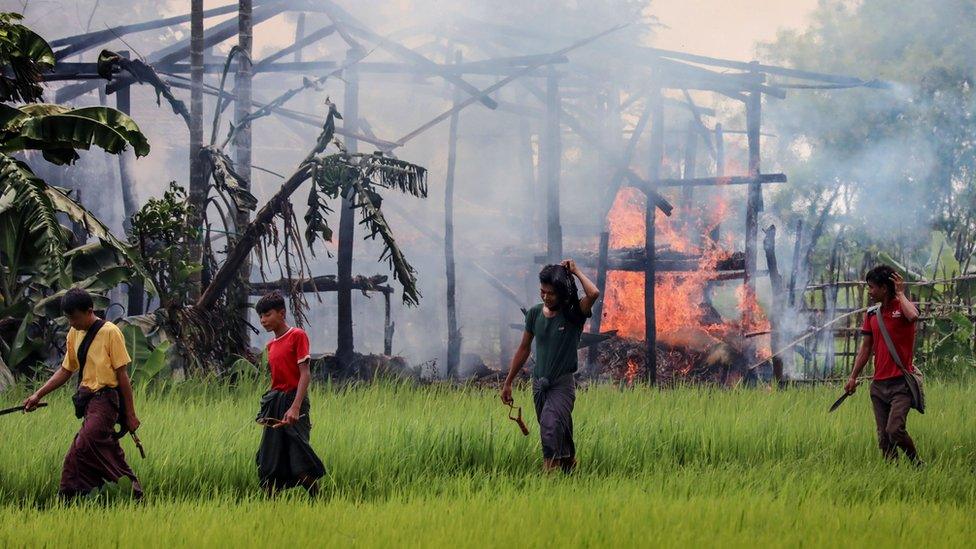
{"points": [[677, 295], [631, 372]]}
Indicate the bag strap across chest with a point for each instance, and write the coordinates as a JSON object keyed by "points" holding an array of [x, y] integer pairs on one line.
{"points": [[86, 343]]}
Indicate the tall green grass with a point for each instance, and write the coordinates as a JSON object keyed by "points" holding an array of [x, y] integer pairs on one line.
{"points": [[408, 464]]}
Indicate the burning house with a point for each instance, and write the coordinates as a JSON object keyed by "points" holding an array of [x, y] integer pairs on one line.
{"points": [[674, 219]]}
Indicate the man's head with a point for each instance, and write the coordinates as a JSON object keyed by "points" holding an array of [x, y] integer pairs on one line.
{"points": [[78, 308], [881, 287], [271, 309], [553, 286]]}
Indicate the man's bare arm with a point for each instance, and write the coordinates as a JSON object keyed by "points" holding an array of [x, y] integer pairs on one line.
{"points": [[57, 379], [304, 378], [908, 309], [125, 387], [592, 293], [518, 361], [860, 361]]}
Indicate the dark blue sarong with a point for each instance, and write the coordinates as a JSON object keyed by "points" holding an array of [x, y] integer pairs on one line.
{"points": [[554, 402]]}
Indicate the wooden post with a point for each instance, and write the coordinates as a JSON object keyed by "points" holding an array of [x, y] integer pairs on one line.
{"points": [[552, 147], [716, 233], [775, 317], [653, 174], [388, 325], [299, 35], [612, 137], [127, 181], [198, 189], [687, 193], [504, 334], [592, 368], [347, 222], [795, 269], [238, 299], [453, 334], [526, 165], [754, 203]]}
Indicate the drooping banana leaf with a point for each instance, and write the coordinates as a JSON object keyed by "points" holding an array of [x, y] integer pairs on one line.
{"points": [[35, 203], [111, 63], [228, 180], [96, 228], [369, 203]]}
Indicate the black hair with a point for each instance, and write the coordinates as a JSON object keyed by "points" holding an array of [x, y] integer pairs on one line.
{"points": [[881, 276], [562, 281], [270, 301], [76, 300]]}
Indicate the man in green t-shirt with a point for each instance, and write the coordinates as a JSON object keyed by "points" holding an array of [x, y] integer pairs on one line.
{"points": [[556, 324]]}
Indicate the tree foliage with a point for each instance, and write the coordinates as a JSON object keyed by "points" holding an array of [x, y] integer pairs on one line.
{"points": [[902, 159]]}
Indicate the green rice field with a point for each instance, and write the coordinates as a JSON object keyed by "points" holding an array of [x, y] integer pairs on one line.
{"points": [[439, 466]]}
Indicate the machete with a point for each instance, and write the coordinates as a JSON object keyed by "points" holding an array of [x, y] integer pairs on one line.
{"points": [[839, 401], [20, 409]]}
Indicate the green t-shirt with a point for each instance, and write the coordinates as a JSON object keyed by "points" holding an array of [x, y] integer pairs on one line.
{"points": [[556, 341]]}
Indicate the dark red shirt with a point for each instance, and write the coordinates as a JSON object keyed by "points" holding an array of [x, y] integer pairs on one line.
{"points": [[285, 353], [902, 332]]}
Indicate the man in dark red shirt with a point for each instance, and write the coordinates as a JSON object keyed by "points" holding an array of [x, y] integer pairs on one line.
{"points": [[285, 457], [891, 396]]}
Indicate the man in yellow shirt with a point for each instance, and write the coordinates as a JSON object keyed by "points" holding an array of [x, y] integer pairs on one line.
{"points": [[104, 396]]}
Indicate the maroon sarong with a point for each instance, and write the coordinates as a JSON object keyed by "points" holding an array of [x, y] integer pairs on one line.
{"points": [[95, 456]]}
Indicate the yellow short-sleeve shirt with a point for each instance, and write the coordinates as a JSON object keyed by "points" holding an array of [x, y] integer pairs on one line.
{"points": [[106, 354]]}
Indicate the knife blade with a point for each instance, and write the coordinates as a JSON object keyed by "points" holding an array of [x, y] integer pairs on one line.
{"points": [[838, 402]]}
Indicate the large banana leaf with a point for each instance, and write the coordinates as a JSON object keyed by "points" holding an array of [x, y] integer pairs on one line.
{"points": [[58, 132], [24, 56], [34, 48], [91, 259]]}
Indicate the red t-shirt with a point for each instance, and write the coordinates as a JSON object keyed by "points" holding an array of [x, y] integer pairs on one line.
{"points": [[902, 332], [285, 353]]}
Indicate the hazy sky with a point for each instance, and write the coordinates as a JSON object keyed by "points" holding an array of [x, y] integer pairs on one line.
{"points": [[721, 28], [725, 28]]}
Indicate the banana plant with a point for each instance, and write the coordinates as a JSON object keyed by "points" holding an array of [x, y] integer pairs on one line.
{"points": [[38, 257]]}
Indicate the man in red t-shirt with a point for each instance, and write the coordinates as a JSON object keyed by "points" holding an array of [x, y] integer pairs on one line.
{"points": [[285, 457], [891, 396]]}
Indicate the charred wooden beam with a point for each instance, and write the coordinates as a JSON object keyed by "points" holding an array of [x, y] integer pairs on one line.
{"points": [[198, 183], [453, 333], [127, 181], [325, 283], [347, 24], [725, 180], [650, 268], [754, 203], [85, 70], [84, 42], [295, 47], [551, 165], [347, 223], [630, 261], [181, 50], [778, 305], [298, 116], [601, 284]]}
